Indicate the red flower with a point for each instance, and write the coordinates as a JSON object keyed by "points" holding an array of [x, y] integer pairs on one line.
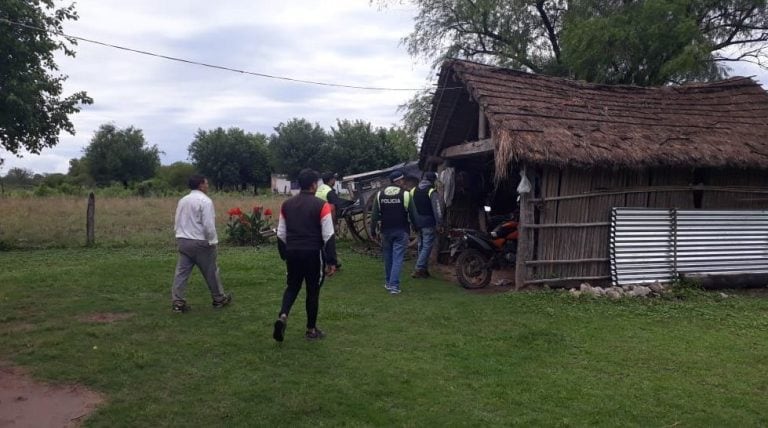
{"points": [[235, 212], [267, 212], [256, 210]]}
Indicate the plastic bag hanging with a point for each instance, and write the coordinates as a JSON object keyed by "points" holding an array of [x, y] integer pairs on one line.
{"points": [[525, 185], [446, 177]]}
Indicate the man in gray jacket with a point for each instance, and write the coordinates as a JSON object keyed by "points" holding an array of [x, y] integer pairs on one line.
{"points": [[428, 219], [196, 240]]}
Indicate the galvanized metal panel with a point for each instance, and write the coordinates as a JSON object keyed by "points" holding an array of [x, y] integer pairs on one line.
{"points": [[649, 245]]}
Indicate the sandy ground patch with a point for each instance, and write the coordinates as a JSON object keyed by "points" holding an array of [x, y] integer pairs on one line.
{"points": [[503, 280], [25, 402]]}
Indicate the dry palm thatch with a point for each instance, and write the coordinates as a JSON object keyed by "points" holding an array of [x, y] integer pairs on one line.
{"points": [[560, 122]]}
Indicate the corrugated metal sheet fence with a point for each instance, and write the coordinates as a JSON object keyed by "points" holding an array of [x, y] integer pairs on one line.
{"points": [[649, 245]]}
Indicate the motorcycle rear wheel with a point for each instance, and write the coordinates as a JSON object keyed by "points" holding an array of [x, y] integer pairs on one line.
{"points": [[472, 270]]}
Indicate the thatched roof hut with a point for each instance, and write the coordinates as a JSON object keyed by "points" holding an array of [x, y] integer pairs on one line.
{"points": [[588, 148]]}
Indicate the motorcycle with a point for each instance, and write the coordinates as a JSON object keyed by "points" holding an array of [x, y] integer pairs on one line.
{"points": [[479, 253]]}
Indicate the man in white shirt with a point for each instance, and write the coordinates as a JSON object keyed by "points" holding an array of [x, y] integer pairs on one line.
{"points": [[196, 240]]}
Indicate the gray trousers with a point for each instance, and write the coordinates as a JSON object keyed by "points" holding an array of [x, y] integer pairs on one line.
{"points": [[203, 255]]}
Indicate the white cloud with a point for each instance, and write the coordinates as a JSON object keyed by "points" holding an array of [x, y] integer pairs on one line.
{"points": [[335, 41]]}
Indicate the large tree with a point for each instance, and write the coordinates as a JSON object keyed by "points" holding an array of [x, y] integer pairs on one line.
{"points": [[296, 145], [356, 147], [176, 174], [32, 109], [20, 177], [121, 155], [231, 158], [641, 42], [539, 36]]}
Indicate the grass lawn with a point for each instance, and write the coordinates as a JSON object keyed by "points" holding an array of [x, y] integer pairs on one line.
{"points": [[432, 356]]}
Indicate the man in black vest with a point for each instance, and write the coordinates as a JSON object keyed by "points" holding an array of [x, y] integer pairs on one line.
{"points": [[307, 243], [428, 219], [392, 206]]}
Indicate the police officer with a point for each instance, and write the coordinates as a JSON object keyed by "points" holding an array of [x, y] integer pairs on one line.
{"points": [[392, 207], [327, 192], [428, 219]]}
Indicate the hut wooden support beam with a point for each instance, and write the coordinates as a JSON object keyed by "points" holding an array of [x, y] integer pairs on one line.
{"points": [[573, 278], [564, 262], [481, 129], [524, 241], [472, 148]]}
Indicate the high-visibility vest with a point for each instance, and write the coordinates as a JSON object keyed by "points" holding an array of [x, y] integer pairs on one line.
{"points": [[393, 205], [323, 191]]}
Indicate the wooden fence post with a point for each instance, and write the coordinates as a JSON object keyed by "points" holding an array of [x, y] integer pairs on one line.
{"points": [[89, 220]]}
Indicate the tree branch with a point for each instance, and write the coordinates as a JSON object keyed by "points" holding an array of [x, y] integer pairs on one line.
{"points": [[550, 29]]}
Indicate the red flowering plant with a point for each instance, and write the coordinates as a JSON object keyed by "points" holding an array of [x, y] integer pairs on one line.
{"points": [[248, 229]]}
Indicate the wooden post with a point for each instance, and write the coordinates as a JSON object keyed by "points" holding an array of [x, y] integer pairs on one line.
{"points": [[523, 240], [89, 221], [525, 237], [481, 129]]}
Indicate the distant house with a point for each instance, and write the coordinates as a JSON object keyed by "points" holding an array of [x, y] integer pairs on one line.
{"points": [[586, 149], [283, 186]]}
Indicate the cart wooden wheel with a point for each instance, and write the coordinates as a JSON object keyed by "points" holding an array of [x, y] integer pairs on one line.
{"points": [[356, 226]]}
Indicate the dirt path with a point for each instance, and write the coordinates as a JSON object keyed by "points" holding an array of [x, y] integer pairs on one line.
{"points": [[25, 402]]}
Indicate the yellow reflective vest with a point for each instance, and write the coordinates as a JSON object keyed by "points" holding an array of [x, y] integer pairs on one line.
{"points": [[322, 191]]}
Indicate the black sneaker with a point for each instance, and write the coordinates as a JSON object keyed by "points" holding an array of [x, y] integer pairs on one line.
{"points": [[180, 307], [279, 331], [224, 301], [314, 334]]}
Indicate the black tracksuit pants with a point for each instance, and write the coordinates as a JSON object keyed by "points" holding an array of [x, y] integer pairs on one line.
{"points": [[304, 266]]}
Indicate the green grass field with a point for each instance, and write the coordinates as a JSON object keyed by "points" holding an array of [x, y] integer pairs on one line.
{"points": [[432, 356]]}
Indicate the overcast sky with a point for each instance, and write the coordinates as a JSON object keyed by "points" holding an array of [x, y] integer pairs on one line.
{"points": [[349, 42], [340, 41]]}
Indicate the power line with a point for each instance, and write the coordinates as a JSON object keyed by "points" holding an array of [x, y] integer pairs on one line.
{"points": [[218, 67]]}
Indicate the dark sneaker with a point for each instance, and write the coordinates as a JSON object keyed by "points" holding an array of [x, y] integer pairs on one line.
{"points": [[315, 334], [224, 301], [278, 333], [421, 273], [180, 307]]}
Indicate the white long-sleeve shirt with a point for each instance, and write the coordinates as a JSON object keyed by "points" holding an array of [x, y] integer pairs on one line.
{"points": [[196, 218]]}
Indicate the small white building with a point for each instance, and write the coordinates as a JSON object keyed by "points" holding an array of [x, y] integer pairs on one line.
{"points": [[283, 186]]}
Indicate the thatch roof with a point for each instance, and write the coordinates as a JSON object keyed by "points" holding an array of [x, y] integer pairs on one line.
{"points": [[555, 121]]}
